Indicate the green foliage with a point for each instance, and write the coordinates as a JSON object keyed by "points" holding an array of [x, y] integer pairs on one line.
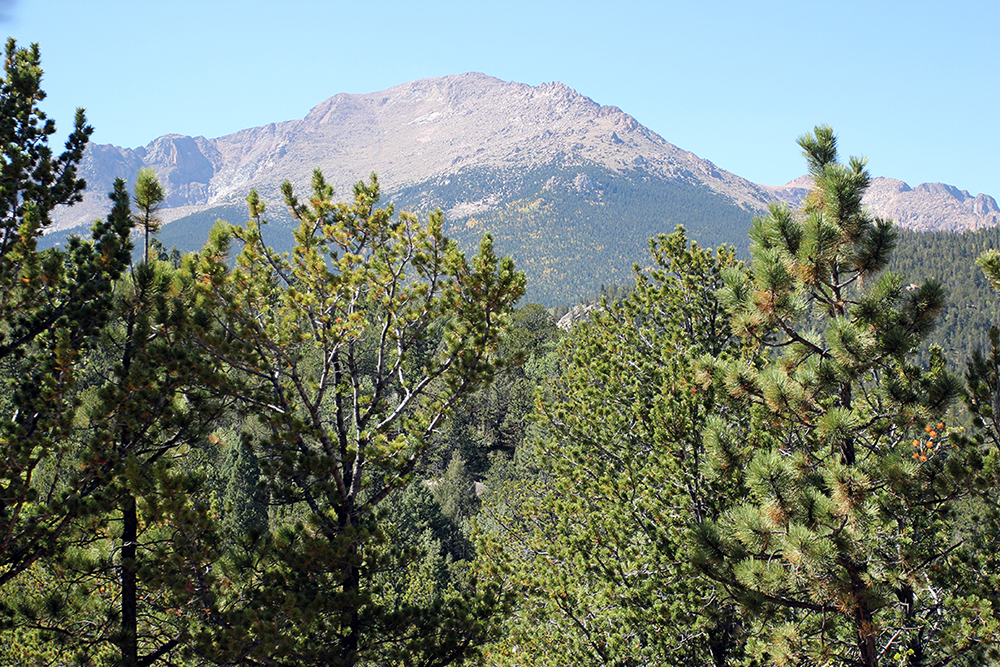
{"points": [[493, 421], [455, 491], [242, 499], [359, 452], [977, 523], [351, 351], [971, 306], [54, 305], [148, 198], [982, 397], [593, 542], [143, 551], [844, 548], [989, 262]]}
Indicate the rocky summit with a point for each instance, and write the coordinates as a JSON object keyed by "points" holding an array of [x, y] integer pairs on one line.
{"points": [[572, 189], [408, 134], [929, 207]]}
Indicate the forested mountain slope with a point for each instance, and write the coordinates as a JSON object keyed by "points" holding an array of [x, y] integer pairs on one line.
{"points": [[971, 306], [368, 451]]}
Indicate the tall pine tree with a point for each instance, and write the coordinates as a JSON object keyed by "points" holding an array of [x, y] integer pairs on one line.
{"points": [[844, 549], [54, 305], [123, 589], [352, 352]]}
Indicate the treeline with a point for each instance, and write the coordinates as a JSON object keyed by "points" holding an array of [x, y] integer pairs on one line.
{"points": [[363, 452]]}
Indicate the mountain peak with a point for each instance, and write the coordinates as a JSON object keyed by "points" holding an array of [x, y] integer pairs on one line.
{"points": [[409, 133], [431, 129]]}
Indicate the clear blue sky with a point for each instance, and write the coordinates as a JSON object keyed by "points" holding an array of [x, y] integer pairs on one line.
{"points": [[913, 85]]}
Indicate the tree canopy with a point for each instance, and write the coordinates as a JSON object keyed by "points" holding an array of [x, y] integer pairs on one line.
{"points": [[351, 352], [845, 543], [365, 451]]}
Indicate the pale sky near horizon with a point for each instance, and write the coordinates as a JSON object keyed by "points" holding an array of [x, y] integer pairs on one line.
{"points": [[912, 85]]}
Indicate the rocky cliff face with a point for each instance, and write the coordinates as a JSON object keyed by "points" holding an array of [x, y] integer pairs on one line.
{"points": [[186, 167], [932, 207]]}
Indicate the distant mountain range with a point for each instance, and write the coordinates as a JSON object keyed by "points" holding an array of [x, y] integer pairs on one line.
{"points": [[929, 207], [570, 188]]}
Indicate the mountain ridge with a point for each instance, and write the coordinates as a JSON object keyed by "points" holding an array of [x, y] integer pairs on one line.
{"points": [[928, 207], [406, 133], [570, 188], [432, 127]]}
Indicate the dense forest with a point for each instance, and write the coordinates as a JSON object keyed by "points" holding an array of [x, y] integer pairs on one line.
{"points": [[370, 450]]}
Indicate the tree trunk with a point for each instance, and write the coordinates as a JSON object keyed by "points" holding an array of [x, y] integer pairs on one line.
{"points": [[847, 453], [866, 636], [916, 643], [864, 620], [351, 587], [129, 643], [352, 590]]}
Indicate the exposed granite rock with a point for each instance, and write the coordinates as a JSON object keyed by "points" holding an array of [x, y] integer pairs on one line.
{"points": [[578, 313]]}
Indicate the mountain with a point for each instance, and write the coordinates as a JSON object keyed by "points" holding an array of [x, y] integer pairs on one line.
{"points": [[929, 207], [571, 189], [409, 134]]}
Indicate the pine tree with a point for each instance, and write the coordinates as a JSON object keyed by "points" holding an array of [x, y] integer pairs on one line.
{"points": [[123, 587], [592, 545], [844, 549], [148, 198], [155, 407], [54, 304], [493, 422], [352, 351], [243, 504]]}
